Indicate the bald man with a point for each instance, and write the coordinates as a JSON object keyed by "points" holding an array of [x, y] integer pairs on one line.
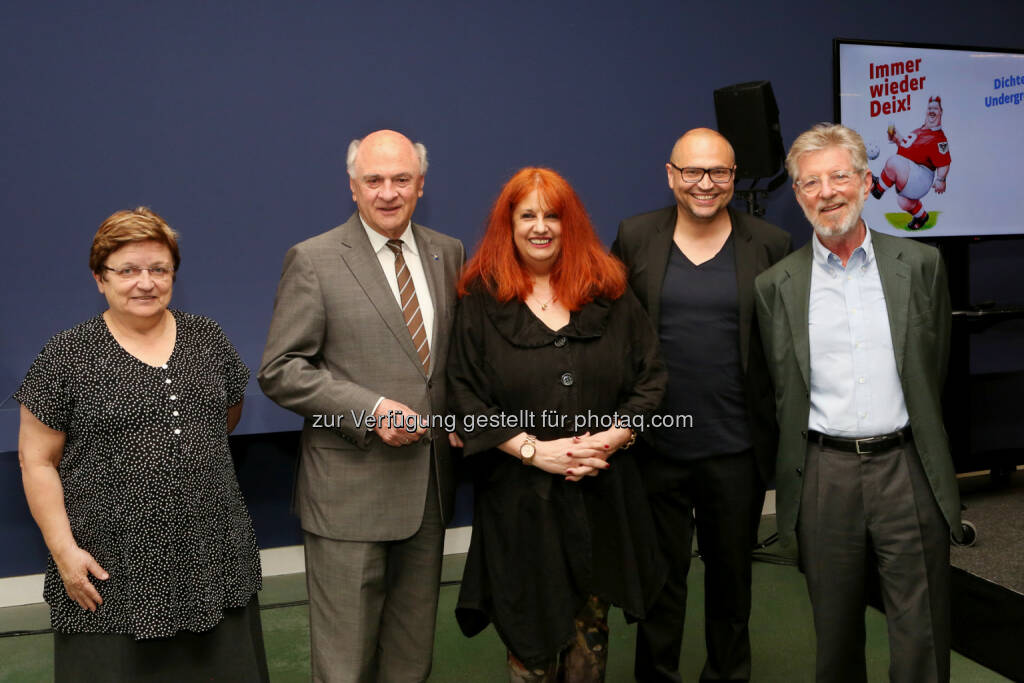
{"points": [[693, 265], [357, 346]]}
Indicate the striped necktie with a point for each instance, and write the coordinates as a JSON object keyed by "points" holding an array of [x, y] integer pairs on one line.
{"points": [[410, 305]]}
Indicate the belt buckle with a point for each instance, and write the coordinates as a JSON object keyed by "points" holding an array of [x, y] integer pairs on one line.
{"points": [[857, 443]]}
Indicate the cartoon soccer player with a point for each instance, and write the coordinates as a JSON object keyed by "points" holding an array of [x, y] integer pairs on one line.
{"points": [[921, 163]]}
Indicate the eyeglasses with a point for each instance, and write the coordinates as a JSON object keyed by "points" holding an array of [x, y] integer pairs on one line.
{"points": [[692, 174], [132, 272], [837, 179]]}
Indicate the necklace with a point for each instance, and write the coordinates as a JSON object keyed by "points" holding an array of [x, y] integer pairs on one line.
{"points": [[544, 304]]}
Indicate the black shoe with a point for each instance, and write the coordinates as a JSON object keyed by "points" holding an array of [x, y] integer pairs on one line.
{"points": [[916, 223], [876, 188]]}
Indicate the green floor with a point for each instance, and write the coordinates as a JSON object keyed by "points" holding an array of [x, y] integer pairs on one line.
{"points": [[782, 636]]}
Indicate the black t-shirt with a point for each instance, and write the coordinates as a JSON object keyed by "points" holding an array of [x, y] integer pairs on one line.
{"points": [[699, 334]]}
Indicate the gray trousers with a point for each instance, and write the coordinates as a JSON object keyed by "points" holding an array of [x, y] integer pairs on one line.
{"points": [[373, 606], [857, 507]]}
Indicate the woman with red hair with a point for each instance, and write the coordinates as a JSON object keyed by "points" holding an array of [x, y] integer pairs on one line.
{"points": [[553, 369]]}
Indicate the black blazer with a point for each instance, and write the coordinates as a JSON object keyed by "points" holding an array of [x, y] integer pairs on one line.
{"points": [[644, 243]]}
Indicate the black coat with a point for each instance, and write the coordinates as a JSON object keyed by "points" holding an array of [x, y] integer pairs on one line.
{"points": [[644, 243], [540, 544]]}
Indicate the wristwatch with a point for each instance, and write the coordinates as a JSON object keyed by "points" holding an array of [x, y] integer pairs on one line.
{"points": [[528, 449]]}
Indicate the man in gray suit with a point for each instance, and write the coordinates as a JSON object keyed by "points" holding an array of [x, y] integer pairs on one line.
{"points": [[856, 328], [357, 346]]}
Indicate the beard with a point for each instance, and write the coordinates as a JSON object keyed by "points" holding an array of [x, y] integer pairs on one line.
{"points": [[827, 229]]}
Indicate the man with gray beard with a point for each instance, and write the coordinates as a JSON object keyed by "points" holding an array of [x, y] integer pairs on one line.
{"points": [[855, 327]]}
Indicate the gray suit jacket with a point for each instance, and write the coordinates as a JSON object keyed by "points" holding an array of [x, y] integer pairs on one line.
{"points": [[917, 301], [337, 342]]}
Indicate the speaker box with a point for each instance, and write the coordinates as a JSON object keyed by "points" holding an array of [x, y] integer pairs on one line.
{"points": [[748, 117]]}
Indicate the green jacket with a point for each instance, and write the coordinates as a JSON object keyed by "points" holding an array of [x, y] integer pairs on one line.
{"points": [[917, 299]]}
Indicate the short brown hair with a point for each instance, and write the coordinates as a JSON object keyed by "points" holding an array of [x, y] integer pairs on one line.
{"points": [[124, 227]]}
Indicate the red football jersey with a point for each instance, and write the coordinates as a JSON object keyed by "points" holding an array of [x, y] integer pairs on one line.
{"points": [[926, 147]]}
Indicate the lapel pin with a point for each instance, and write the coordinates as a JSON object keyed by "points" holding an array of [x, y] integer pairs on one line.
{"points": [[436, 257]]}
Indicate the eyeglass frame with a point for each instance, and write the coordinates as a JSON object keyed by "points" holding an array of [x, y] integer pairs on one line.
{"points": [[169, 272], [854, 174], [705, 172]]}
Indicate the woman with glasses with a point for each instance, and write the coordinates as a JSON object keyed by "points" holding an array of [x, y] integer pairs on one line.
{"points": [[553, 368], [153, 566]]}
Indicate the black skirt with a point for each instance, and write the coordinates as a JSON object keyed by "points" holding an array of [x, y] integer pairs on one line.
{"points": [[230, 651]]}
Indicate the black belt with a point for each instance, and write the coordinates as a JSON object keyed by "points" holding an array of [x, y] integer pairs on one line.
{"points": [[862, 446]]}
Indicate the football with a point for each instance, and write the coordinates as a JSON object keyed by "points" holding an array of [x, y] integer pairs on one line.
{"points": [[872, 150]]}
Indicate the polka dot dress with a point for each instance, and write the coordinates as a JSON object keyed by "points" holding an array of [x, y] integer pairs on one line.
{"points": [[149, 483]]}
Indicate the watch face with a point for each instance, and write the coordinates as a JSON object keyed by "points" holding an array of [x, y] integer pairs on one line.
{"points": [[527, 450]]}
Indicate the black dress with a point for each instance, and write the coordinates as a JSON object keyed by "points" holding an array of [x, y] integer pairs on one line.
{"points": [[149, 482], [541, 545]]}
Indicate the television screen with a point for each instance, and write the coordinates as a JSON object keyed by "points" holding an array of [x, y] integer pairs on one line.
{"points": [[944, 130]]}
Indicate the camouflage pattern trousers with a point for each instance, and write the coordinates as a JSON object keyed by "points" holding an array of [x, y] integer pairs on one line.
{"points": [[582, 661]]}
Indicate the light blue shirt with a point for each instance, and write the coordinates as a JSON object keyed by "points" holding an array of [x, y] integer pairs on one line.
{"points": [[855, 388]]}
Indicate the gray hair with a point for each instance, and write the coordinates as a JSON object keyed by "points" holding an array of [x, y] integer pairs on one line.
{"points": [[353, 150], [825, 135]]}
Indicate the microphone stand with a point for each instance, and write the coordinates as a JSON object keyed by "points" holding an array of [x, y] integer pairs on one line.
{"points": [[753, 194]]}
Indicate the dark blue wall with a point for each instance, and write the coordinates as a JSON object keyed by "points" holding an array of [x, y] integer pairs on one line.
{"points": [[232, 118]]}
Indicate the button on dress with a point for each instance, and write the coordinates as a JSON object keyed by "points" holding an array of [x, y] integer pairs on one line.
{"points": [[542, 545], [149, 482]]}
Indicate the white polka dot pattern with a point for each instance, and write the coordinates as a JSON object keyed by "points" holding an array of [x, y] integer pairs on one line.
{"points": [[149, 482]]}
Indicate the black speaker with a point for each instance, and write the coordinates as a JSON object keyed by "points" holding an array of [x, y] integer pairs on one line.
{"points": [[748, 117]]}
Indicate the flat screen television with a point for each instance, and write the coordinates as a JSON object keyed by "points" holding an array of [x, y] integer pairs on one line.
{"points": [[944, 129]]}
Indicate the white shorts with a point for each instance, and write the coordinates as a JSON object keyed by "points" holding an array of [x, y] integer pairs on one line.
{"points": [[919, 178]]}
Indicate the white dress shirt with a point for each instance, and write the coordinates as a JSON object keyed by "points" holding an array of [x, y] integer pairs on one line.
{"points": [[412, 260], [419, 279]]}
